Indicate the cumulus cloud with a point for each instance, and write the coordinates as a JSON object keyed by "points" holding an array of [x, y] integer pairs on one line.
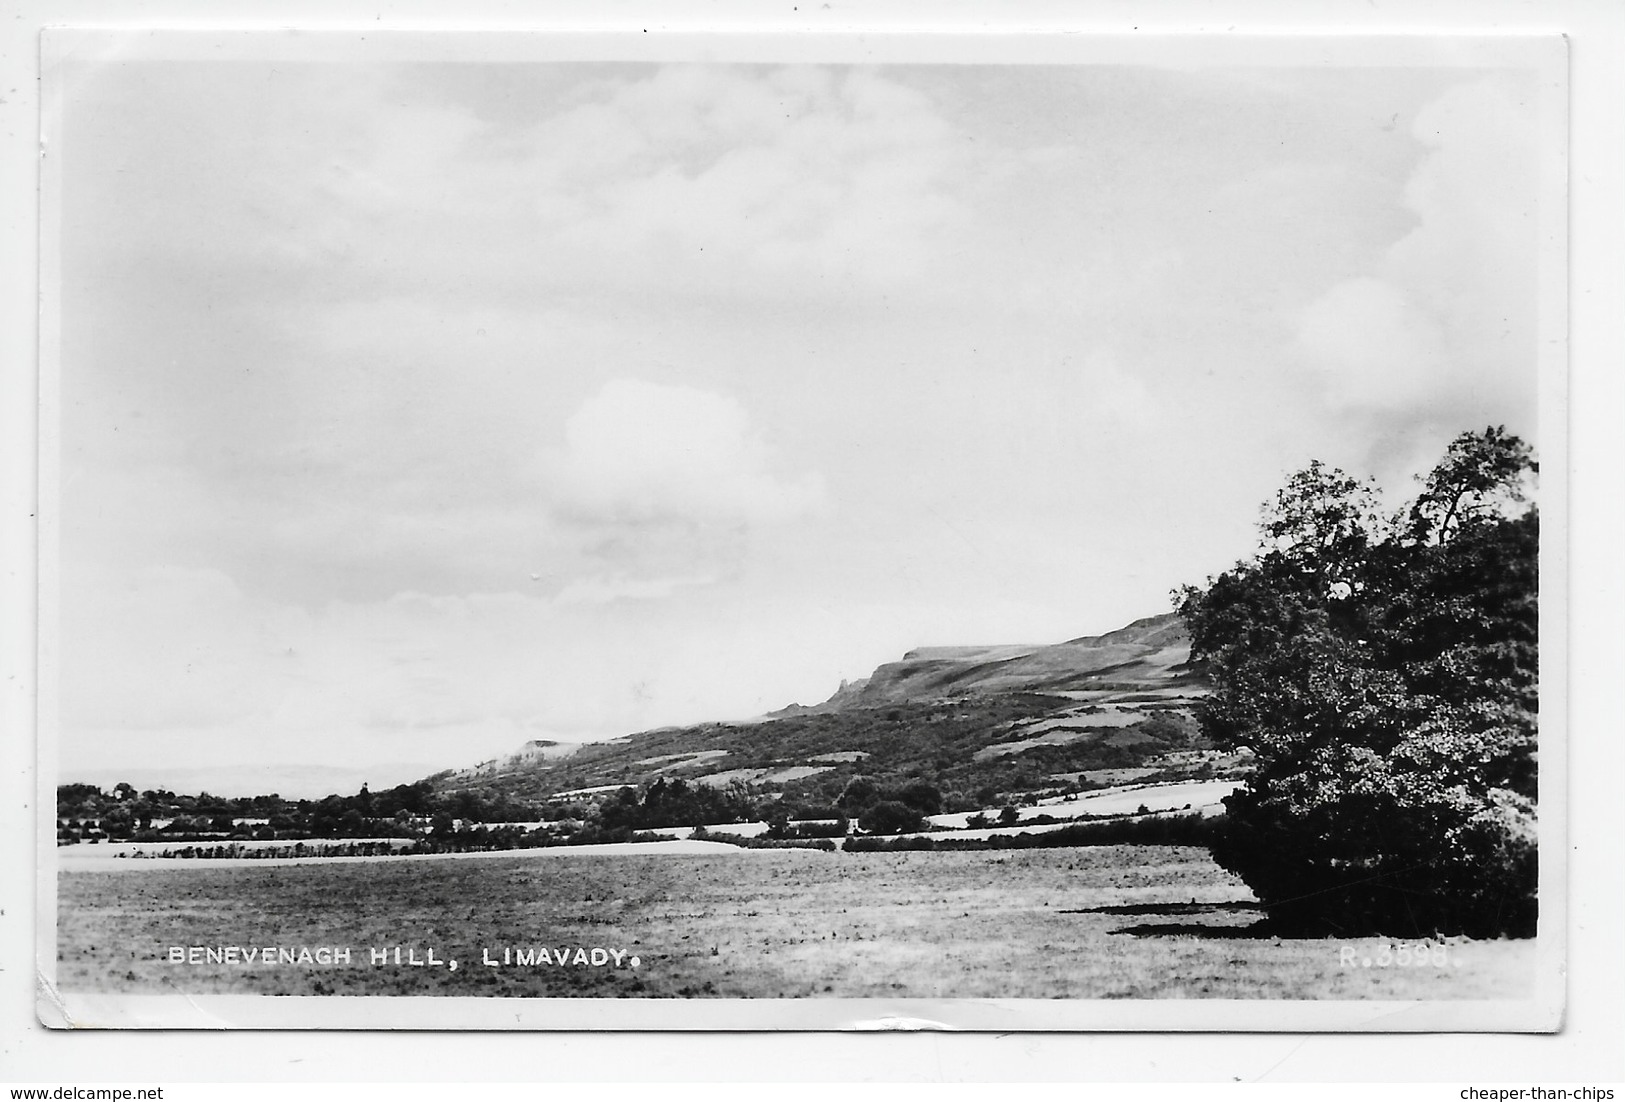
{"points": [[739, 172], [735, 174], [1444, 325], [639, 452]]}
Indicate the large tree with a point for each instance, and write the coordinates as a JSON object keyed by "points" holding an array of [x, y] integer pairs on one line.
{"points": [[1384, 673]]}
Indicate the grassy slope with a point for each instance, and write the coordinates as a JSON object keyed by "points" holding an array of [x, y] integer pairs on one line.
{"points": [[1111, 922], [935, 715], [944, 742]]}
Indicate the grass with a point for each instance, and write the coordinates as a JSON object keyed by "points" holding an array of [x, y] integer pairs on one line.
{"points": [[1106, 922]]}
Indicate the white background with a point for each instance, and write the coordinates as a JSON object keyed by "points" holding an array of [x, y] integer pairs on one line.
{"points": [[1586, 1050]]}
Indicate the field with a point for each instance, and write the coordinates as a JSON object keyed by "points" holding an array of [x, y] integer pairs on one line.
{"points": [[1102, 922]]}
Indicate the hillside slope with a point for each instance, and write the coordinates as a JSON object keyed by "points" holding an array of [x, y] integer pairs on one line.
{"points": [[977, 722]]}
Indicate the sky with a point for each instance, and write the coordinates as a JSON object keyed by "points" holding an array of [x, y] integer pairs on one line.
{"points": [[408, 410]]}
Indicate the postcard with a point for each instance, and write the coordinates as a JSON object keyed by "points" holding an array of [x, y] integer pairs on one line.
{"points": [[788, 531]]}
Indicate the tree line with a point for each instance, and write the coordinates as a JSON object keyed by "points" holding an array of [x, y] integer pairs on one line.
{"points": [[123, 814]]}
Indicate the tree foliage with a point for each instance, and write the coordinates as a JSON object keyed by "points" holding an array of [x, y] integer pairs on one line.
{"points": [[1384, 672], [890, 817], [674, 803]]}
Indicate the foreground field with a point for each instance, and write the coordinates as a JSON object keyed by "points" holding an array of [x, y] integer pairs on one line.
{"points": [[1104, 922]]}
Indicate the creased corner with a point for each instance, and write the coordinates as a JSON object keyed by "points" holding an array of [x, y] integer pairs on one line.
{"points": [[48, 1004]]}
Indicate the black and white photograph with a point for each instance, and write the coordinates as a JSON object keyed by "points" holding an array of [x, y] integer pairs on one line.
{"points": [[752, 532]]}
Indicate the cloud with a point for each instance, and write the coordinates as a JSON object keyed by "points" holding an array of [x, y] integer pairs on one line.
{"points": [[640, 452], [790, 172], [736, 178], [1378, 345], [1444, 326]]}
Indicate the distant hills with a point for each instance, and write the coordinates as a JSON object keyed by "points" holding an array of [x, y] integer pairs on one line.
{"points": [[982, 723]]}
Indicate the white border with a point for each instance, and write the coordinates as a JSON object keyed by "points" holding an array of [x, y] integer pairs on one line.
{"points": [[306, 1012], [1584, 1048]]}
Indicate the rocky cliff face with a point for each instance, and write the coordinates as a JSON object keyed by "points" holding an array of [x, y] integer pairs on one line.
{"points": [[1149, 653]]}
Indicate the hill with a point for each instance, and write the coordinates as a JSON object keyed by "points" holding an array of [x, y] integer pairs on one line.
{"points": [[981, 723]]}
